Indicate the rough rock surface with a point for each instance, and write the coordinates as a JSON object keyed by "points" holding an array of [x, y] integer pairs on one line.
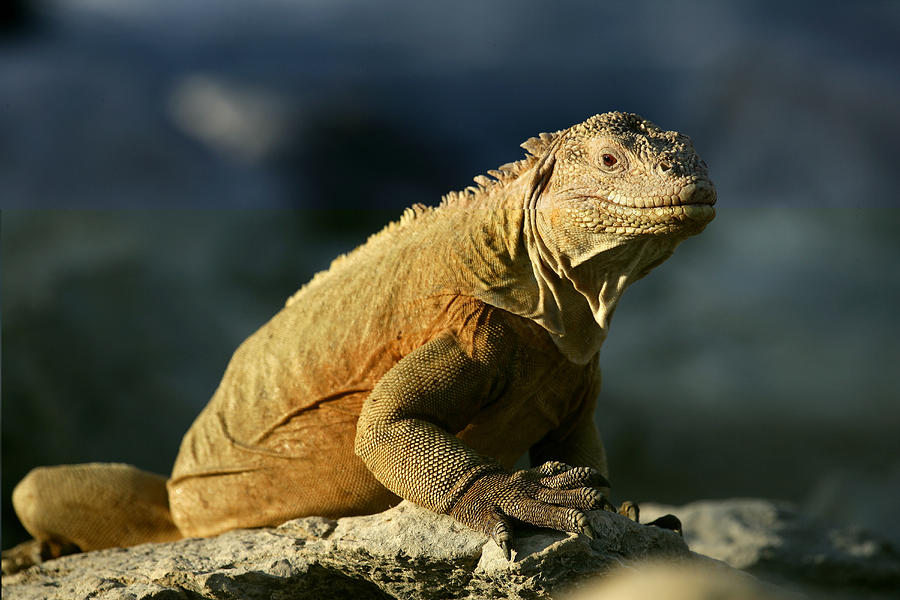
{"points": [[405, 552], [408, 552]]}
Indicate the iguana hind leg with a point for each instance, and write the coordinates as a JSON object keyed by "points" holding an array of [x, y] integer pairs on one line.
{"points": [[89, 507], [304, 466]]}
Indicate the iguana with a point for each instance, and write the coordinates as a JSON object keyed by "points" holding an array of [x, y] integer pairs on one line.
{"points": [[421, 365]]}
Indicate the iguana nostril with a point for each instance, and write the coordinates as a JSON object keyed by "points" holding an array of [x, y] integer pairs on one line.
{"points": [[697, 193]]}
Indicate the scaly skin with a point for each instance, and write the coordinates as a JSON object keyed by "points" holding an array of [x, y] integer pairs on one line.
{"points": [[424, 363], [602, 203]]}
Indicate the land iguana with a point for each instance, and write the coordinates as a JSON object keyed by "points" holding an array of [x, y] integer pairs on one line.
{"points": [[421, 365]]}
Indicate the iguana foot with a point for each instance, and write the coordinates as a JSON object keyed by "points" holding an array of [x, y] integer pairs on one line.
{"points": [[553, 495], [34, 552], [670, 522], [631, 510]]}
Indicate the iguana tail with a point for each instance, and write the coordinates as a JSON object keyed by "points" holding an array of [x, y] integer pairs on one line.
{"points": [[91, 506]]}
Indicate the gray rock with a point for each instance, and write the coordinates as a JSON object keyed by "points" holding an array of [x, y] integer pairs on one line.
{"points": [[774, 541], [408, 552], [405, 552]]}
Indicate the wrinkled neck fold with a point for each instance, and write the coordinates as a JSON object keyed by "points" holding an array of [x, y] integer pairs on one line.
{"points": [[568, 281], [580, 277]]}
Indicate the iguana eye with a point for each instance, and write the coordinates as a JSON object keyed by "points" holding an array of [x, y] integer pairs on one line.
{"points": [[609, 160]]}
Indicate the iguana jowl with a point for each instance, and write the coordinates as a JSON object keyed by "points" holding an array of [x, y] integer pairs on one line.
{"points": [[424, 363]]}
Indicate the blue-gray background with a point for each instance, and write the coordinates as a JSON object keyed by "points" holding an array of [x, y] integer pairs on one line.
{"points": [[172, 171]]}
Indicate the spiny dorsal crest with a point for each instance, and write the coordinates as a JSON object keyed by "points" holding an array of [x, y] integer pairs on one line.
{"points": [[413, 212], [536, 148], [648, 141]]}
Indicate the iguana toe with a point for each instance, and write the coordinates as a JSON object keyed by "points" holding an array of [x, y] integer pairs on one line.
{"points": [[552, 467], [584, 498], [573, 477]]}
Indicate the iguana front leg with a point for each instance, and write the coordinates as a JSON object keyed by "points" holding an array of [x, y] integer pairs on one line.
{"points": [[405, 437]]}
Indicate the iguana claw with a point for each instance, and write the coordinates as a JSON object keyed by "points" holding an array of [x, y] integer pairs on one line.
{"points": [[553, 495], [588, 531], [631, 510], [502, 535]]}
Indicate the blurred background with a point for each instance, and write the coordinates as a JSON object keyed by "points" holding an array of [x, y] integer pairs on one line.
{"points": [[172, 171]]}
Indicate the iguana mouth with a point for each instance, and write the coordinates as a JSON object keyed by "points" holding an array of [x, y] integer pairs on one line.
{"points": [[697, 192]]}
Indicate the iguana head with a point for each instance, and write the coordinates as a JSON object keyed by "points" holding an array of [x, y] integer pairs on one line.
{"points": [[619, 174], [596, 207], [609, 199]]}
